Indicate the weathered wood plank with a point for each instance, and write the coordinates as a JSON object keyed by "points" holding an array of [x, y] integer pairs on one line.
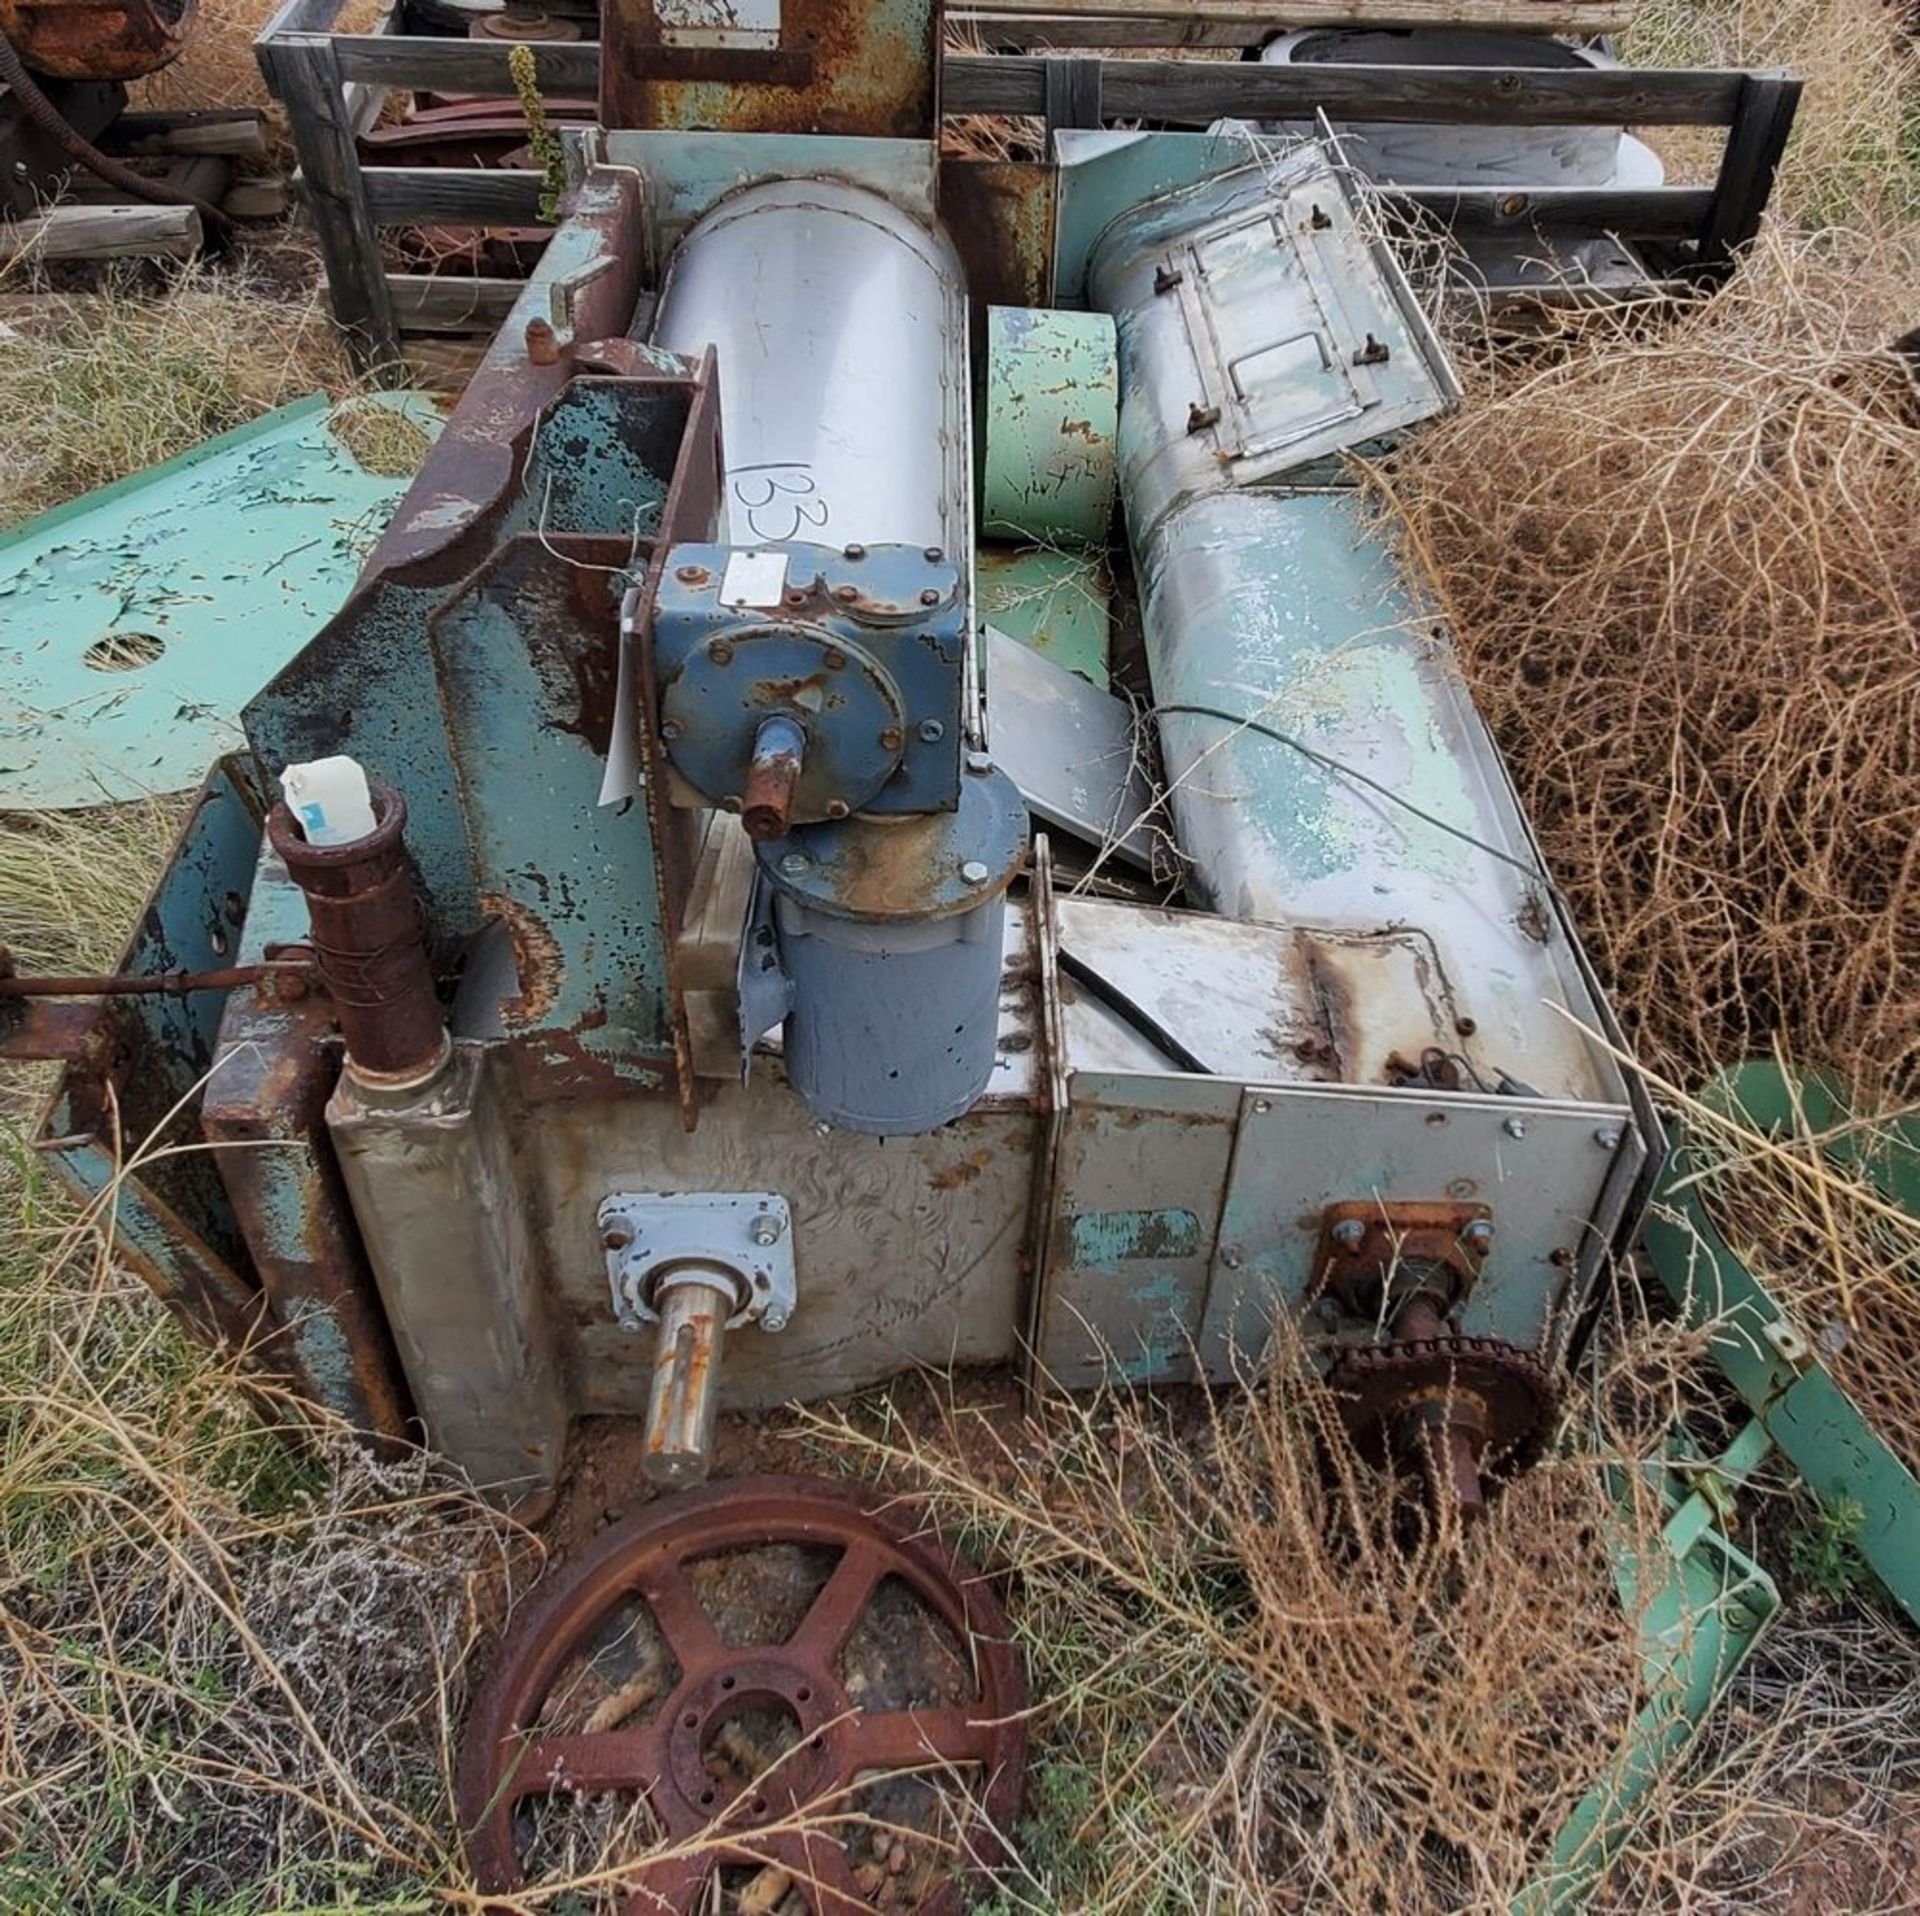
{"points": [[1197, 92], [1755, 143], [565, 67], [1188, 91], [452, 196], [304, 76], [1524, 16], [1018, 30], [1657, 212], [132, 230], [266, 198], [300, 16], [231, 130], [448, 303]]}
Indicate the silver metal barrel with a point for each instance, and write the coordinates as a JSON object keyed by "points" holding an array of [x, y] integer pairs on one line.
{"points": [[1258, 339], [840, 324]]}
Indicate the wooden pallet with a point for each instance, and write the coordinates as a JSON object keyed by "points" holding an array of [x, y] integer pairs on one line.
{"points": [[1507, 16], [330, 83]]}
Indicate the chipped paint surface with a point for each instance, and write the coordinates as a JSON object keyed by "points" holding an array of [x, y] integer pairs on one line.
{"points": [[1056, 603], [1104, 1240], [1052, 410], [140, 618], [860, 67]]}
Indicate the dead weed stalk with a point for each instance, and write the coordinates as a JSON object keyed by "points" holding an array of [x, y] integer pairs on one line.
{"points": [[1681, 571], [1256, 1695]]}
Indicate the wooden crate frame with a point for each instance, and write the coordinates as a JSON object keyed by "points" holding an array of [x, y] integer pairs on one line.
{"points": [[331, 84]]}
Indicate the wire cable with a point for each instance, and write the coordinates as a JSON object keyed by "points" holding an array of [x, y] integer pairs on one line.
{"points": [[1529, 870]]}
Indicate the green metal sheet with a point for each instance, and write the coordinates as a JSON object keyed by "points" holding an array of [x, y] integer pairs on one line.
{"points": [[1052, 410], [1057, 603], [1770, 1360], [140, 618], [1700, 1605]]}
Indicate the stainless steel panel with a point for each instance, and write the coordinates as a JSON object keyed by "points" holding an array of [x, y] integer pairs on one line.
{"points": [[907, 1250], [1542, 1168], [840, 325], [1141, 1174], [1071, 749], [437, 1193]]}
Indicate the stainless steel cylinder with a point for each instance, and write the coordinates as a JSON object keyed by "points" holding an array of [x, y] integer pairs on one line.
{"points": [[685, 1394], [1365, 793], [1481, 155], [839, 321]]}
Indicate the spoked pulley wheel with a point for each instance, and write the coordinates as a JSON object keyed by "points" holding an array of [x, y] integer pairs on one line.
{"points": [[769, 1695]]}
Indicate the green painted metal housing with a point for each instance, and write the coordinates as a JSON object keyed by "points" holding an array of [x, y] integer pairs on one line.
{"points": [[141, 617], [1058, 604], [1052, 409]]}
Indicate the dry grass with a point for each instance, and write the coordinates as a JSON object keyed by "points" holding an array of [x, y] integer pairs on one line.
{"points": [[94, 386], [1254, 1694], [1810, 1215], [1855, 155], [1681, 571], [231, 1673], [218, 67]]}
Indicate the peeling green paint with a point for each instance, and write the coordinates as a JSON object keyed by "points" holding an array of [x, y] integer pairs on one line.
{"points": [[1104, 1240]]}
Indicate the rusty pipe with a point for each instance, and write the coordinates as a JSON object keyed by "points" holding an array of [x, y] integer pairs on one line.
{"points": [[49, 119], [694, 1303], [779, 750], [170, 984], [369, 941]]}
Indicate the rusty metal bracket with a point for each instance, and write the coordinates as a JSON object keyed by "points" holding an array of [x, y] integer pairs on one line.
{"points": [[36, 1031], [724, 66], [1364, 1244]]}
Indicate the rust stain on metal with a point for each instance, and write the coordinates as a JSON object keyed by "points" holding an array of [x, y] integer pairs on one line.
{"points": [[270, 1099], [953, 1177], [538, 963], [767, 804], [448, 524], [841, 66], [97, 39], [1000, 215], [1363, 1241], [689, 514]]}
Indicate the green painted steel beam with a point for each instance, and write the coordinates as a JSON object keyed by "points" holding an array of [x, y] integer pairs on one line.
{"points": [[1772, 1361]]}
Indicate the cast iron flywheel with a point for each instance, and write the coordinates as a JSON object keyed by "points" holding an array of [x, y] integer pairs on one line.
{"points": [[777, 1676]]}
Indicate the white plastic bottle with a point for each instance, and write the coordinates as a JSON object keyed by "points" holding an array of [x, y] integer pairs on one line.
{"points": [[330, 800]]}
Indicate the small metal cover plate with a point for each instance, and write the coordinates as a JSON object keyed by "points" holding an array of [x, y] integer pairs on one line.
{"points": [[1307, 340], [648, 1235], [754, 578]]}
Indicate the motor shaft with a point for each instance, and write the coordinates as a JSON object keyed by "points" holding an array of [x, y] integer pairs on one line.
{"points": [[779, 747], [685, 1397]]}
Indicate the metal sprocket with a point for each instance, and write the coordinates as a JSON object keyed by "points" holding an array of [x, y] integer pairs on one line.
{"points": [[1503, 1394]]}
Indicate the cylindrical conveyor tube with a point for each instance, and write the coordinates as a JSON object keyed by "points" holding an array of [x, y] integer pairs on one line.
{"points": [[839, 322]]}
